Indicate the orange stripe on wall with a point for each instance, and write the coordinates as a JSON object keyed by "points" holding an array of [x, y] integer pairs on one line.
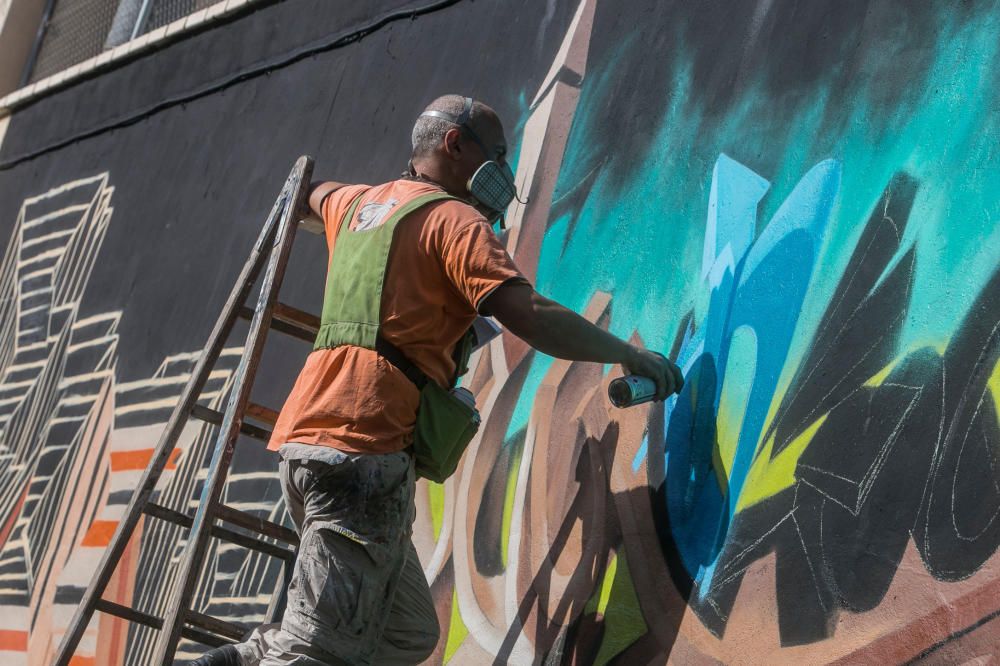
{"points": [[15, 641], [100, 533], [139, 459], [82, 661]]}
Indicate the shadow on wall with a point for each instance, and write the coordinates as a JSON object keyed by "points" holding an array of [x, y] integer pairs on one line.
{"points": [[561, 629]]}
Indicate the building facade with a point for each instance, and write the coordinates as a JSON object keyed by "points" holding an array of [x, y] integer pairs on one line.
{"points": [[797, 201]]}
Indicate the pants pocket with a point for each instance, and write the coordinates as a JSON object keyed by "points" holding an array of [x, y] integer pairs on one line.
{"points": [[331, 585]]}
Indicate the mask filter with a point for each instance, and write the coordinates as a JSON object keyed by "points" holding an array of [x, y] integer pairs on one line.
{"points": [[492, 185]]}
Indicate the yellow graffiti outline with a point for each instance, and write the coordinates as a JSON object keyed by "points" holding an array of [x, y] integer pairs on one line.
{"points": [[457, 631], [767, 476]]}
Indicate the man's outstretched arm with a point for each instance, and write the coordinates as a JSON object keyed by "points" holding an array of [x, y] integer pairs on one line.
{"points": [[558, 331]]}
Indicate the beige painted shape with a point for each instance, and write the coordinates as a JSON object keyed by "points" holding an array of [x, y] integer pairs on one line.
{"points": [[532, 140], [535, 220], [90, 463], [573, 52], [544, 140], [469, 652], [547, 133]]}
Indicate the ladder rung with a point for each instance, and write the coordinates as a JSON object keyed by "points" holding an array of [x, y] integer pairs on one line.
{"points": [[290, 321], [261, 413], [162, 512], [255, 524], [252, 543], [184, 520], [215, 625], [204, 637], [294, 317], [130, 614], [215, 417], [263, 434]]}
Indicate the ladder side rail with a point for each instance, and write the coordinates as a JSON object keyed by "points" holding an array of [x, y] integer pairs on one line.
{"points": [[165, 446], [195, 550]]}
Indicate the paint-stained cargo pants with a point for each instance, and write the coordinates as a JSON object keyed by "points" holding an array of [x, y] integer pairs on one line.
{"points": [[358, 594]]}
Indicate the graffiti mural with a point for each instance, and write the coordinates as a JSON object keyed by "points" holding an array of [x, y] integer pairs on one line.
{"points": [[797, 203], [818, 442]]}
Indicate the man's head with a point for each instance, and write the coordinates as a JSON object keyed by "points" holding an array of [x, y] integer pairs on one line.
{"points": [[459, 143]]}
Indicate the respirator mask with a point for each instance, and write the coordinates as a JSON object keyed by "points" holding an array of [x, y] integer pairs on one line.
{"points": [[492, 185]]}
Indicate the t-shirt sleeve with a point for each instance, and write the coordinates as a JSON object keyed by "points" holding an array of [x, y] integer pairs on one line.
{"points": [[335, 207], [476, 261]]}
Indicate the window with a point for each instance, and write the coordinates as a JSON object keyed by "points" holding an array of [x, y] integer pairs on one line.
{"points": [[76, 30]]}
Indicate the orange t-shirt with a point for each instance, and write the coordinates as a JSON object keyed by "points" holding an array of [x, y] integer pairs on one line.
{"points": [[445, 260]]}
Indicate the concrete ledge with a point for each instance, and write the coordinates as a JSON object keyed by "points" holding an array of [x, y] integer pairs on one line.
{"points": [[196, 18], [215, 10], [147, 43]]}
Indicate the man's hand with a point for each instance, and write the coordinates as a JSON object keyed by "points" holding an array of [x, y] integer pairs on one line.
{"points": [[657, 367]]}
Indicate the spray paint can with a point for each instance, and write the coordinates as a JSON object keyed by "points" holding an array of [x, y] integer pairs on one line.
{"points": [[631, 390]]}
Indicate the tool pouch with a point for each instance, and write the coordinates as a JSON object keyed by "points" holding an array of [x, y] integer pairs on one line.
{"points": [[445, 425], [447, 419]]}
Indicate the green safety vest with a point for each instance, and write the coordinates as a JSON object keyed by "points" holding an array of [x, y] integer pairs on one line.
{"points": [[353, 297], [351, 311]]}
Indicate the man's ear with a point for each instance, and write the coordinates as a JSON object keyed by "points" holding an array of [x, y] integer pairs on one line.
{"points": [[451, 143]]}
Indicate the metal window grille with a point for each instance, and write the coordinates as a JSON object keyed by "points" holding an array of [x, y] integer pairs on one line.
{"points": [[163, 12], [80, 29], [76, 31]]}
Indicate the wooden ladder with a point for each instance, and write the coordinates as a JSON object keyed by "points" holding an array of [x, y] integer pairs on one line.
{"points": [[271, 250]]}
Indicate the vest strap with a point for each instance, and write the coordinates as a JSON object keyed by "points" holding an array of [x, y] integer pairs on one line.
{"points": [[395, 355]]}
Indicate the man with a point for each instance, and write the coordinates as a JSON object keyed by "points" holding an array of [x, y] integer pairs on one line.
{"points": [[358, 593]]}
